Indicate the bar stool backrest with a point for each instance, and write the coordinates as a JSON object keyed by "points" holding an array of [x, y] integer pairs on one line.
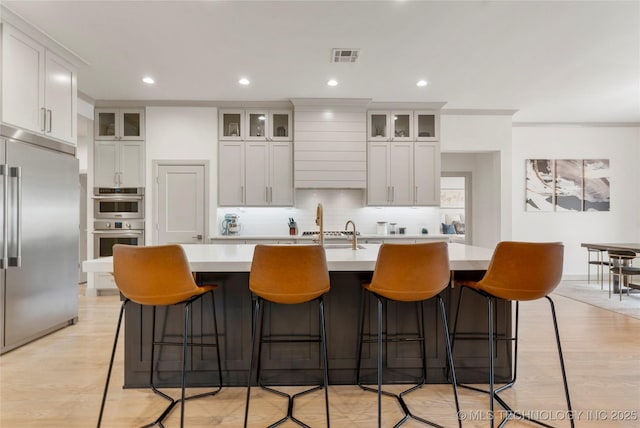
{"points": [[154, 275], [523, 270], [289, 274], [622, 254], [411, 272]]}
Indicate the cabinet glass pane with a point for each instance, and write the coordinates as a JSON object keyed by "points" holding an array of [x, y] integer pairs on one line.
{"points": [[426, 125], [231, 125], [280, 125], [378, 125], [401, 125], [257, 122], [131, 125], [107, 124]]}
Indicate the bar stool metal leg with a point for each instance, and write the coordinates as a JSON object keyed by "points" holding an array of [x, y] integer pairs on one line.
{"points": [[257, 335], [113, 354], [493, 391], [379, 362]]}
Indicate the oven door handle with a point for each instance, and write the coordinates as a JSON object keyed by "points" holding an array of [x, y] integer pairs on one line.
{"points": [[117, 232], [117, 198]]}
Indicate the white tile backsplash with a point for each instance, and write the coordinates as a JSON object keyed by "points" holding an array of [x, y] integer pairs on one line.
{"points": [[338, 207]]}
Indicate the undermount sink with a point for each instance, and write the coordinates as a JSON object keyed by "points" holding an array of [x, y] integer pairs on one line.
{"points": [[342, 246]]}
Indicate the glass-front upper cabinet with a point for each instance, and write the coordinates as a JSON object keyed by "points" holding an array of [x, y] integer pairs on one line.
{"points": [[257, 122], [402, 126], [119, 124], [427, 124], [268, 125], [390, 126], [231, 125], [280, 125], [378, 125]]}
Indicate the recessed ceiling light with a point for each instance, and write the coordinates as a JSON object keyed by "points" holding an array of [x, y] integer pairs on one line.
{"points": [[422, 83], [332, 82], [244, 81], [148, 80]]}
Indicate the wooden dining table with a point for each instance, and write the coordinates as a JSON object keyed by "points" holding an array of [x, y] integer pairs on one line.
{"points": [[635, 247]]}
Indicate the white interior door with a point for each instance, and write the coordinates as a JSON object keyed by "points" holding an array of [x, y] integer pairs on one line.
{"points": [[181, 204]]}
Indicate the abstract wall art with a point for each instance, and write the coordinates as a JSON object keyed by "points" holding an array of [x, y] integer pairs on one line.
{"points": [[596, 185], [540, 187], [567, 185]]}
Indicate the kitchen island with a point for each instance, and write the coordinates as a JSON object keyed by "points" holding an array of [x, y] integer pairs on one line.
{"points": [[229, 267]]}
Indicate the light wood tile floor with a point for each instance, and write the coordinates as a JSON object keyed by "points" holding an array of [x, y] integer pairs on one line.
{"points": [[58, 380]]}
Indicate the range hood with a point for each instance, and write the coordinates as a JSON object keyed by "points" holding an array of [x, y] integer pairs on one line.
{"points": [[330, 143]]}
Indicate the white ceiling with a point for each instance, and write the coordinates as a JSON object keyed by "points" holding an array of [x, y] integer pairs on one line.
{"points": [[551, 61]]}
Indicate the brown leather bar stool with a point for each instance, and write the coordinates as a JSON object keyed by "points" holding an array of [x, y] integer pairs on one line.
{"points": [[160, 276], [408, 273], [621, 267], [287, 275], [518, 271]]}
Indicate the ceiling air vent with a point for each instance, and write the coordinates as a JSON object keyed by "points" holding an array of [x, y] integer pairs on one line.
{"points": [[344, 55]]}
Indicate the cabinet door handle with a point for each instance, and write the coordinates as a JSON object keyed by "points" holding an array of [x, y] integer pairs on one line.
{"points": [[415, 194], [388, 193], [270, 194], [393, 193], [50, 119], [242, 194], [44, 119]]}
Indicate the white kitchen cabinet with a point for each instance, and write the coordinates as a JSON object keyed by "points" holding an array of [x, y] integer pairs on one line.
{"points": [[390, 173], [231, 125], [426, 175], [268, 125], [268, 174], [231, 174], [119, 164], [119, 124], [255, 173], [426, 125], [390, 126], [255, 125], [39, 88]]}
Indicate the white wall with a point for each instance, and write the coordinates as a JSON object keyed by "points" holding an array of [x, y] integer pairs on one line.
{"points": [[181, 133], [621, 145], [481, 144], [486, 199]]}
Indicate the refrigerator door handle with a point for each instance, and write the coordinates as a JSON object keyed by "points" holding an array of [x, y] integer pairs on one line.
{"points": [[5, 225], [16, 172]]}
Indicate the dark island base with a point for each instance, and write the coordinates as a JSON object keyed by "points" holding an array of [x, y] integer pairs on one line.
{"points": [[299, 364]]}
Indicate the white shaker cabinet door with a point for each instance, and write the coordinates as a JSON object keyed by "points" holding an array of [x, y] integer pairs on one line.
{"points": [[60, 98], [231, 186], [257, 173], [401, 173], [131, 163], [427, 174], [106, 165], [22, 81], [281, 174], [378, 189]]}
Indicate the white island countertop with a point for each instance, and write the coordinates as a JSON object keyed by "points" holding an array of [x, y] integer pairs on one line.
{"points": [[237, 258]]}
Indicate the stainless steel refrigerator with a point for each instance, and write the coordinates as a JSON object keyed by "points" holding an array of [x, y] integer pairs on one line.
{"points": [[39, 226]]}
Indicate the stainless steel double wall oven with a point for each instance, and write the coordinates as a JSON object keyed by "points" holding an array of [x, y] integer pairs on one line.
{"points": [[119, 218]]}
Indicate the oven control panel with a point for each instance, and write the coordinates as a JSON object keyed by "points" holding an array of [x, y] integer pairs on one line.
{"points": [[118, 225]]}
